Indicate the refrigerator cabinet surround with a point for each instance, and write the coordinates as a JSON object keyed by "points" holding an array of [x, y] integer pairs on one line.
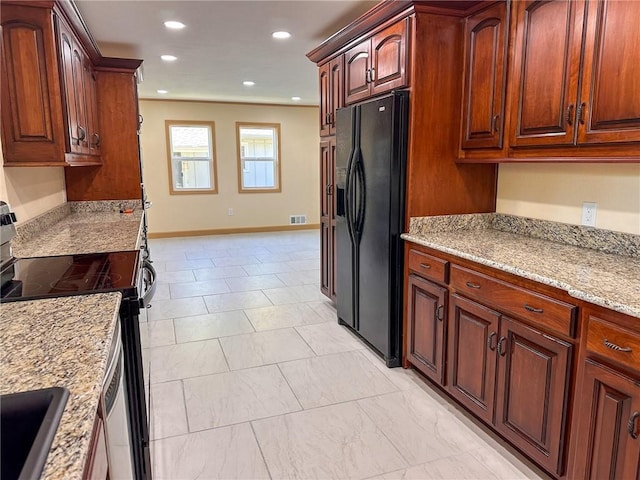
{"points": [[371, 144]]}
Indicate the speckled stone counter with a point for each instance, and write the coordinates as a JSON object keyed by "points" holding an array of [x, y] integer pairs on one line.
{"points": [[83, 232], [60, 342], [605, 279]]}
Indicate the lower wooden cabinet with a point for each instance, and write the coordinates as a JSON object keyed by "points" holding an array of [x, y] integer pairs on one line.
{"points": [[97, 464], [608, 425], [532, 391], [427, 311], [512, 377], [473, 337]]}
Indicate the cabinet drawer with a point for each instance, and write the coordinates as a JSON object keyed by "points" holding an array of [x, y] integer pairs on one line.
{"points": [[613, 342], [428, 266], [540, 309]]}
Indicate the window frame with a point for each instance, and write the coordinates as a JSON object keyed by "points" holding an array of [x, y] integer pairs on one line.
{"points": [[213, 165], [278, 160]]}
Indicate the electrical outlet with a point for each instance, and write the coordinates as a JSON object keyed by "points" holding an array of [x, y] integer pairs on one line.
{"points": [[589, 214], [230, 212]]}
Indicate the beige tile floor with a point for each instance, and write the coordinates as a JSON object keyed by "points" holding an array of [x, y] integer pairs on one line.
{"points": [[252, 377]]}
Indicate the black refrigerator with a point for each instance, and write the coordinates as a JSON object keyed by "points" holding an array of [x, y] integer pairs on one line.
{"points": [[371, 145]]}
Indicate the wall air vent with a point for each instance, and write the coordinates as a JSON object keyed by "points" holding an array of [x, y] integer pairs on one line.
{"points": [[297, 219]]}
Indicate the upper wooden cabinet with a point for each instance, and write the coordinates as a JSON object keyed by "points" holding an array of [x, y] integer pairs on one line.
{"points": [[484, 79], [609, 108], [378, 64], [49, 109], [78, 82], [331, 76], [32, 127], [557, 101]]}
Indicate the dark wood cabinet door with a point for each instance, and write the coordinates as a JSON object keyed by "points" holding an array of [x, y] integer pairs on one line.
{"points": [[531, 402], [610, 98], [357, 73], [78, 92], [91, 100], [484, 81], [389, 58], [325, 98], [327, 217], [32, 127], [545, 69], [336, 87], [472, 339], [607, 420], [427, 308]]}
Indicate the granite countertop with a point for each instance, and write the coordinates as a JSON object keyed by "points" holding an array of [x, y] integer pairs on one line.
{"points": [[606, 279], [84, 232], [60, 342]]}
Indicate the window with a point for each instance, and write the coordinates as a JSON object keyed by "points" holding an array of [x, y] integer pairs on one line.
{"points": [[258, 157], [192, 161]]}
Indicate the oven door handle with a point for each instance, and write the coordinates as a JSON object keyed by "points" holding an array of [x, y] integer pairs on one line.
{"points": [[150, 288]]}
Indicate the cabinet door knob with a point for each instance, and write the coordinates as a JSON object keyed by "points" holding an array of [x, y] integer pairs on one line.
{"points": [[631, 425], [440, 312], [96, 142], [329, 189], [491, 341], [82, 133], [615, 347], [367, 78], [569, 115], [372, 76], [472, 285]]}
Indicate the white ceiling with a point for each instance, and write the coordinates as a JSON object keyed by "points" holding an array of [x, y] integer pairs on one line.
{"points": [[225, 43]]}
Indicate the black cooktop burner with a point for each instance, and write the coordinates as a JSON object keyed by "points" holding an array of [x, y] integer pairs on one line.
{"points": [[41, 277]]}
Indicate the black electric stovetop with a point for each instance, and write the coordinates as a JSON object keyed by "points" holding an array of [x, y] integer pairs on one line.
{"points": [[59, 276]]}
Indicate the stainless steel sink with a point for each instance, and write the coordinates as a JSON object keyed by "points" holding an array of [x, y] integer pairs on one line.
{"points": [[28, 423]]}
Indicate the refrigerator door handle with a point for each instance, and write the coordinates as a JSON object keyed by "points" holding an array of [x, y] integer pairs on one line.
{"points": [[361, 201], [349, 193]]}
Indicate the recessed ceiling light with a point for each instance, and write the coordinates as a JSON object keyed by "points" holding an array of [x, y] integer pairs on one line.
{"points": [[162, 91], [295, 99], [248, 83], [174, 25], [168, 58], [281, 35]]}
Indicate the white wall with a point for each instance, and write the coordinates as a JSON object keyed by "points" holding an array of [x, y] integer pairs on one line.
{"points": [[182, 213], [556, 192], [32, 190]]}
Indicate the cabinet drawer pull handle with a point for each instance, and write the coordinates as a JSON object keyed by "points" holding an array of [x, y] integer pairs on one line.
{"points": [[426, 266], [616, 348], [472, 285], [494, 123], [569, 115], [491, 341], [440, 312], [631, 425], [501, 346], [529, 308], [581, 109]]}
